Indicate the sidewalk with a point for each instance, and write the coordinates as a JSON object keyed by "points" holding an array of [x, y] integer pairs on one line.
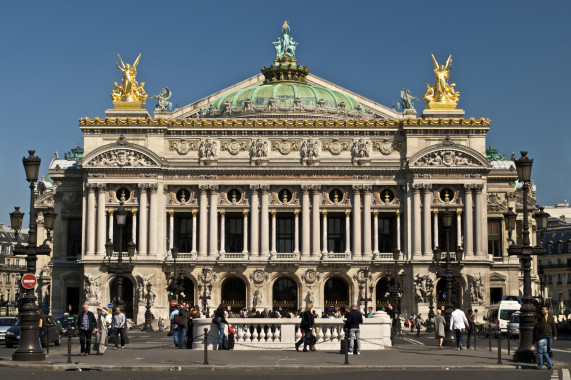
{"points": [[155, 352]]}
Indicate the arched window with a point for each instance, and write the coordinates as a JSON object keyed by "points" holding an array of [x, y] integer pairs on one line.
{"points": [[336, 293], [234, 293], [285, 294]]}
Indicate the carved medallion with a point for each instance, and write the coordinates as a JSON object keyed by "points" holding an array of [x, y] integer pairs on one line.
{"points": [[310, 276], [258, 276], [285, 146], [184, 146], [235, 146]]}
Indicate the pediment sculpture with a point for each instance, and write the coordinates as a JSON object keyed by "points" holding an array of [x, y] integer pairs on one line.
{"points": [[259, 148], [208, 149], [361, 148], [122, 158], [446, 158], [310, 149]]}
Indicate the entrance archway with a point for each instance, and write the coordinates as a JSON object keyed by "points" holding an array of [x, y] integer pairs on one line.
{"points": [[187, 294], [234, 293], [336, 293], [128, 298], [284, 294], [382, 289], [441, 293]]}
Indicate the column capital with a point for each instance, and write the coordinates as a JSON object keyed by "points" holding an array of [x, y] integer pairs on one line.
{"points": [[305, 188], [324, 212], [102, 187], [154, 187], [203, 188], [468, 186], [91, 186], [143, 186], [435, 212], [426, 187], [265, 189], [111, 212], [254, 187], [375, 213], [194, 213], [459, 212], [134, 212], [357, 187], [347, 213], [315, 188], [367, 188], [213, 188], [478, 187], [397, 213], [245, 213], [222, 212], [296, 213], [416, 187], [171, 213]]}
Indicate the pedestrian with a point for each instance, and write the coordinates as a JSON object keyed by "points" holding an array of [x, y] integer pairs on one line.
{"points": [[174, 326], [458, 322], [181, 320], [392, 316], [306, 327], [471, 328], [354, 319], [101, 333], [43, 328], [220, 320], [418, 324], [118, 326], [549, 327], [86, 325], [540, 341], [439, 327]]}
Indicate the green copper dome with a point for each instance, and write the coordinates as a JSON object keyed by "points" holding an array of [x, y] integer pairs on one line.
{"points": [[285, 93]]}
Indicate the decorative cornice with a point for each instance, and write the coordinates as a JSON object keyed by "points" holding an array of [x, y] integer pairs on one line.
{"points": [[202, 123]]}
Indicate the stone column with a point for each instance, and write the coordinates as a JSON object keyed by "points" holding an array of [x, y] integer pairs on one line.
{"points": [[245, 233], [324, 232], [171, 230], [134, 226], [478, 246], [397, 216], [348, 232], [375, 232], [213, 233], [143, 218], [296, 232], [91, 226], [417, 224], [315, 227], [265, 222], [153, 219], [367, 250], [468, 220], [357, 252], [101, 219], [274, 232], [222, 232], [426, 209], [255, 225], [110, 225], [305, 224], [435, 222], [193, 233], [202, 213], [458, 228]]}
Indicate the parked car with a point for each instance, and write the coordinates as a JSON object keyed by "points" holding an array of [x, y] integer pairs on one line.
{"points": [[513, 326], [499, 315], [54, 332], [5, 324], [67, 320]]}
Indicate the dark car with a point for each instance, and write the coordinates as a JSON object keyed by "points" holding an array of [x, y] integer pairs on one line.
{"points": [[54, 332], [66, 321], [5, 324]]}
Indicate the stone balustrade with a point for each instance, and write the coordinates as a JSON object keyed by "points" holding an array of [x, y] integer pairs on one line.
{"points": [[282, 333]]}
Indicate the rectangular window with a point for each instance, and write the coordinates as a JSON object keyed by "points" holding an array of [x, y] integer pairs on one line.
{"points": [[285, 233], [386, 234], [559, 281], [568, 278], [235, 231], [495, 237], [73, 237], [184, 236], [335, 234], [549, 279]]}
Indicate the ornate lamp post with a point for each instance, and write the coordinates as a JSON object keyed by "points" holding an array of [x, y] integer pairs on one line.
{"points": [[119, 269], [204, 290], [448, 273], [394, 289], [29, 345], [175, 287], [365, 297], [148, 316], [526, 350]]}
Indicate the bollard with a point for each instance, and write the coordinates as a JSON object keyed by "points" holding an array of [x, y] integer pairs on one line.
{"points": [[475, 333], [205, 346], [509, 339], [490, 338], [346, 347], [47, 338], [500, 349], [69, 345]]}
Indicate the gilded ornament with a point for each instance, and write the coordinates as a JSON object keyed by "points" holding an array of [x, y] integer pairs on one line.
{"points": [[441, 96], [129, 94]]}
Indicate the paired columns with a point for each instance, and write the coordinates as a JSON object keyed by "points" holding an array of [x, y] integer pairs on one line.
{"points": [[305, 204]]}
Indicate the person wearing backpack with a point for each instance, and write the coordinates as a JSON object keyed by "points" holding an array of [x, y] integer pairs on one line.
{"points": [[181, 320], [306, 327]]}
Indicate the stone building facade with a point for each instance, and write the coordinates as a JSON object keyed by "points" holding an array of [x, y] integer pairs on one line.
{"points": [[278, 191]]}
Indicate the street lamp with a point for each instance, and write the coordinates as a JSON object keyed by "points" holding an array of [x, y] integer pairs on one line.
{"points": [[448, 274], [205, 289], [148, 316], [365, 297], [49, 221], [29, 346], [526, 350], [394, 289], [541, 219]]}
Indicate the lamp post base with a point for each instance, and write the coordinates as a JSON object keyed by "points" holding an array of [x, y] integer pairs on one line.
{"points": [[525, 356], [449, 339], [28, 356]]}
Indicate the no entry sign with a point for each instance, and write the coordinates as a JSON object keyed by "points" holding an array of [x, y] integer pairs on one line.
{"points": [[29, 281], [174, 303]]}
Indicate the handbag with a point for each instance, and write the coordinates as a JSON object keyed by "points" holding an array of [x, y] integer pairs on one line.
{"points": [[178, 319], [216, 320]]}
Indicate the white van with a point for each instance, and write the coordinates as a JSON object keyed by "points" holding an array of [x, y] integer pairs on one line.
{"points": [[499, 315]]}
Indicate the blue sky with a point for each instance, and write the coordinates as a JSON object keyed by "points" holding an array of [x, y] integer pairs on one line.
{"points": [[511, 64]]}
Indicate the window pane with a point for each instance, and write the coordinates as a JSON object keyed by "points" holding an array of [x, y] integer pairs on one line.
{"points": [[285, 234]]}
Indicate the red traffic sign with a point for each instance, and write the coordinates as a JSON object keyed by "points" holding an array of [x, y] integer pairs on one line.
{"points": [[29, 281], [174, 303]]}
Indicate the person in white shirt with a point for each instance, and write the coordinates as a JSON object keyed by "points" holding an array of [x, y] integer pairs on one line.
{"points": [[458, 322]]}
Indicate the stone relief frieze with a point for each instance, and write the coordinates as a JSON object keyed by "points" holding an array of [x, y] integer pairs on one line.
{"points": [[497, 202], [310, 151], [423, 288], [335, 146], [361, 151], [235, 146], [91, 289], [142, 282], [122, 158], [446, 158], [285, 146], [477, 288], [259, 150], [208, 151], [183, 146]]}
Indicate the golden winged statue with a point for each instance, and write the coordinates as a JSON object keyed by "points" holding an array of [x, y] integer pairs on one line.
{"points": [[441, 95], [129, 94]]}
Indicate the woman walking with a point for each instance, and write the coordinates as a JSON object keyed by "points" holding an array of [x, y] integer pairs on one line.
{"points": [[221, 322], [101, 334], [306, 327], [439, 327]]}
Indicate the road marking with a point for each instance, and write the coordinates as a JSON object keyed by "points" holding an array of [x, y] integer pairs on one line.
{"points": [[554, 375], [413, 341], [565, 374], [560, 350]]}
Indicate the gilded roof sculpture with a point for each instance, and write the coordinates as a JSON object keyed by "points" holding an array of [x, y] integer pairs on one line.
{"points": [[129, 94]]}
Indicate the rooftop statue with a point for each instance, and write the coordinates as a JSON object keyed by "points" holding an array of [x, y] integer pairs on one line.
{"points": [[492, 154], [129, 91], [285, 45], [406, 99], [162, 100], [441, 95]]}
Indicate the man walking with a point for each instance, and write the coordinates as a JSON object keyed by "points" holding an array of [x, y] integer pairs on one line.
{"points": [[354, 319], [458, 322], [174, 327], [392, 316], [86, 325], [181, 320], [549, 327], [118, 326]]}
